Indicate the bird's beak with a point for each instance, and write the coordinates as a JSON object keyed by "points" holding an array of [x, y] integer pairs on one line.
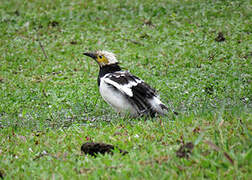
{"points": [[90, 54]]}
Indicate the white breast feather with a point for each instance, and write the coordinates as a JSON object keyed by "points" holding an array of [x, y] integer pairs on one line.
{"points": [[116, 99]]}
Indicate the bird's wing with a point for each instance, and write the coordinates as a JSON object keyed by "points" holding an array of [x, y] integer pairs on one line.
{"points": [[129, 84], [139, 93]]}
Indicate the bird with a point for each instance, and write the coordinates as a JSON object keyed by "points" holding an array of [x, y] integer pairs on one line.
{"points": [[125, 92]]}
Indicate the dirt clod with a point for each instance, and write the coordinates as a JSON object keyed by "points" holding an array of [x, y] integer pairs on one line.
{"points": [[220, 37], [73, 42], [93, 148], [185, 150], [17, 13], [148, 22], [175, 113], [209, 89], [53, 23], [1, 174], [196, 130], [248, 55]]}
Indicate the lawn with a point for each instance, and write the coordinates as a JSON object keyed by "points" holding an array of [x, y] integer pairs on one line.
{"points": [[197, 54]]}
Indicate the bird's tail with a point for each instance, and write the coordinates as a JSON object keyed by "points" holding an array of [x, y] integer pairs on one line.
{"points": [[158, 106]]}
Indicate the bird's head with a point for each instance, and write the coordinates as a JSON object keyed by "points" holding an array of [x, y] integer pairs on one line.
{"points": [[103, 58]]}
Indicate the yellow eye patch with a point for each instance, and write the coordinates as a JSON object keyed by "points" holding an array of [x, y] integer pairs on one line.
{"points": [[102, 59]]}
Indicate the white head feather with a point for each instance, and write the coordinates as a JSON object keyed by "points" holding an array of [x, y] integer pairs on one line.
{"points": [[109, 56]]}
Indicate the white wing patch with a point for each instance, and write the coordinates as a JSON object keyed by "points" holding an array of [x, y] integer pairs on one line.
{"points": [[124, 88]]}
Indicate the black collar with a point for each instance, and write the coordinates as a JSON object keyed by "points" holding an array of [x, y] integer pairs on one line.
{"points": [[107, 69]]}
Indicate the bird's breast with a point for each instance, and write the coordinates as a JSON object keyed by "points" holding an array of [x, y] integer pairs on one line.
{"points": [[115, 98]]}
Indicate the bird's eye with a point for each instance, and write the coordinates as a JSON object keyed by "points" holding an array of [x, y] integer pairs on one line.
{"points": [[100, 57]]}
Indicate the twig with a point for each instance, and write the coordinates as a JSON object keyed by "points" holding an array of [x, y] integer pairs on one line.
{"points": [[216, 148], [44, 93], [87, 170], [133, 41], [158, 160], [42, 154], [43, 50]]}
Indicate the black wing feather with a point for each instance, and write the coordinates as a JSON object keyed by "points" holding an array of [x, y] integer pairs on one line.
{"points": [[142, 92]]}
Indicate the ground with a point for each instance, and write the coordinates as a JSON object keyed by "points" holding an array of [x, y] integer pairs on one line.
{"points": [[197, 54]]}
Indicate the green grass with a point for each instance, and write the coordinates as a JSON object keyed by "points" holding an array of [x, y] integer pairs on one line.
{"points": [[51, 105]]}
